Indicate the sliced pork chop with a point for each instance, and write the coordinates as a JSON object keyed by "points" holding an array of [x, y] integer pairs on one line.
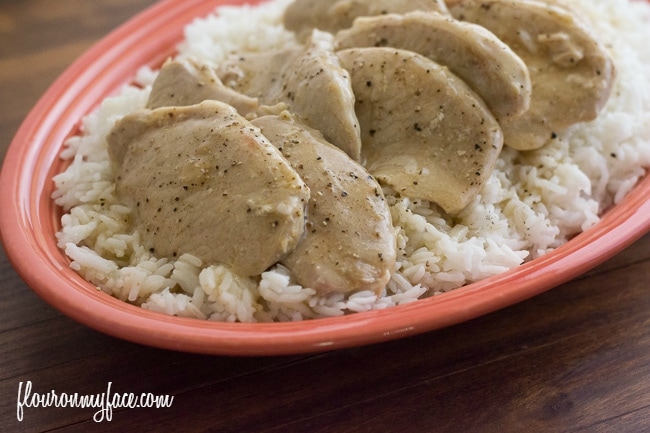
{"points": [[349, 244], [203, 180]]}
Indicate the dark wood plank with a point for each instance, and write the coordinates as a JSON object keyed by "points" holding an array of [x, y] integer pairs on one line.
{"points": [[546, 363]]}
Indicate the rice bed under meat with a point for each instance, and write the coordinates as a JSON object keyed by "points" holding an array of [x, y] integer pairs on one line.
{"points": [[533, 203]]}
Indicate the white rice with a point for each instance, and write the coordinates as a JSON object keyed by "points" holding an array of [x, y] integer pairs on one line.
{"points": [[533, 202]]}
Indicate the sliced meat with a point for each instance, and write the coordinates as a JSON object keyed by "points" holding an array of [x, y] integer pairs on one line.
{"points": [[302, 16], [470, 51], [187, 82], [571, 71], [349, 244], [259, 75], [311, 82], [320, 94], [424, 131], [202, 180]]}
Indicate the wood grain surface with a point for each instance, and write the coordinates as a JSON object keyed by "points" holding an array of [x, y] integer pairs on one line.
{"points": [[574, 359]]}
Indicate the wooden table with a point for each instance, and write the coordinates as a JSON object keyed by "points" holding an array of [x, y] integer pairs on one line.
{"points": [[575, 359]]}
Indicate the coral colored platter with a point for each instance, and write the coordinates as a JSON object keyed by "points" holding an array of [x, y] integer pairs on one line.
{"points": [[30, 219]]}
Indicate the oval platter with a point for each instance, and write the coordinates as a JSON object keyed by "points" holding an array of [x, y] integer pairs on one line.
{"points": [[30, 219]]}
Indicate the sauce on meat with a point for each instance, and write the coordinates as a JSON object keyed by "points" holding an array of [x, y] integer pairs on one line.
{"points": [[281, 157]]}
